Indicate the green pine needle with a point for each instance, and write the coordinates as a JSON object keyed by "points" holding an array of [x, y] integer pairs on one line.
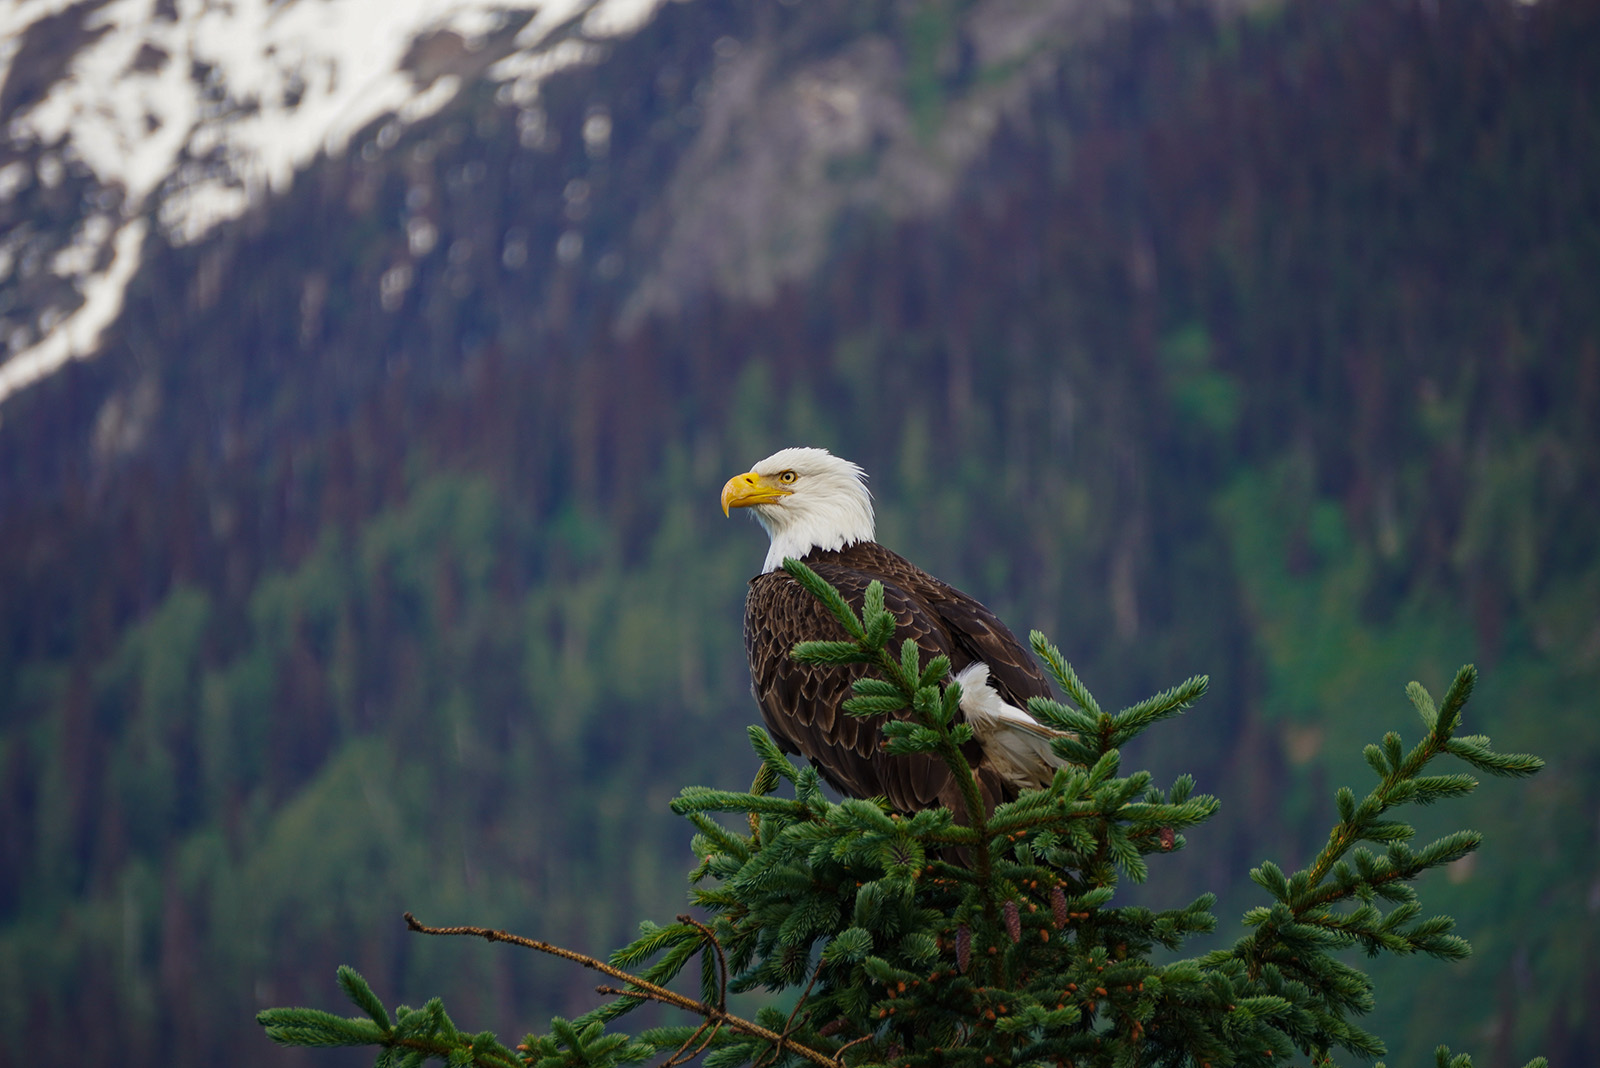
{"points": [[867, 707], [358, 991], [831, 599], [1062, 671], [830, 653], [772, 757], [1423, 702], [1454, 699]]}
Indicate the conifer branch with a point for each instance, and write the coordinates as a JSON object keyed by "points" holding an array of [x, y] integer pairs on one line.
{"points": [[640, 987], [872, 631], [1016, 954], [425, 1032], [1293, 935]]}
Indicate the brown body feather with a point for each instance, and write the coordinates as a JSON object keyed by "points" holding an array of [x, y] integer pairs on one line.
{"points": [[801, 702]]}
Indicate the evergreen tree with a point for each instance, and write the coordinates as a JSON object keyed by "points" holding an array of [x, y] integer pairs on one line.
{"points": [[922, 941]]}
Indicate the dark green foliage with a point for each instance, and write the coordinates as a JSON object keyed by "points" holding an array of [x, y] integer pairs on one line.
{"points": [[417, 1035], [918, 941]]}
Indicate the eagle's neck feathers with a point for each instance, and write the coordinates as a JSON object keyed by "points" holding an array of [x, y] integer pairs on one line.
{"points": [[797, 541], [830, 508]]}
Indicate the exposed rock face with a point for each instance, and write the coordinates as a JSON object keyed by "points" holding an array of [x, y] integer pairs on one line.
{"points": [[151, 119], [791, 148]]}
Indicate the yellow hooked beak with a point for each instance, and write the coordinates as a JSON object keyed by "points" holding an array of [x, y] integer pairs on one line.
{"points": [[741, 491]]}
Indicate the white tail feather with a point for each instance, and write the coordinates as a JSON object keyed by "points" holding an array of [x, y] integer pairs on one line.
{"points": [[1017, 744]]}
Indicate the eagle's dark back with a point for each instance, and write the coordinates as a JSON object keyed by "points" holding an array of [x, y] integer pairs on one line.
{"points": [[801, 702]]}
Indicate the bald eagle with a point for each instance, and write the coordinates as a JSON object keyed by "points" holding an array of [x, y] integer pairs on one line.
{"points": [[816, 508]]}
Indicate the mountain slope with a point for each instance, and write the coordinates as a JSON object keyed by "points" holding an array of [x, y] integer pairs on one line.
{"points": [[124, 113], [375, 563]]}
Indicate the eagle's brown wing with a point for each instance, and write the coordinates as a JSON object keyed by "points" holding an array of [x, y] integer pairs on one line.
{"points": [[976, 634], [801, 702]]}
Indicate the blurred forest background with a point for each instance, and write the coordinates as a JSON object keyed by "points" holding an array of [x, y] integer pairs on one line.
{"points": [[377, 564]]}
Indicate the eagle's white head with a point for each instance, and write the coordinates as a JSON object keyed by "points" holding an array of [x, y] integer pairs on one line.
{"points": [[806, 499]]}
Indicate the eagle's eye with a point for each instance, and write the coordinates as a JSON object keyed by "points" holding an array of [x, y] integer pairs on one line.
{"points": [[787, 477]]}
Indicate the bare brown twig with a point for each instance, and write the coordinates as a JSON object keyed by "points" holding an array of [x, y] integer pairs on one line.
{"points": [[839, 1057], [641, 987], [722, 961], [682, 1056], [788, 1024]]}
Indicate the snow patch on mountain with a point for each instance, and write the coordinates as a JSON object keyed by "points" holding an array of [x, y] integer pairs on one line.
{"points": [[183, 113]]}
